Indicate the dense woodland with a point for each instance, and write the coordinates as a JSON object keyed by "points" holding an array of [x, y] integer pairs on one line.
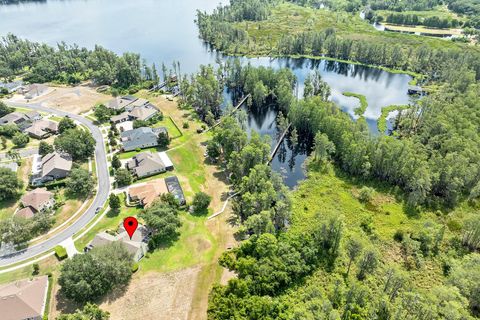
{"points": [[71, 64]]}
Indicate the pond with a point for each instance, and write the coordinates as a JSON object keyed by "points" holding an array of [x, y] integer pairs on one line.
{"points": [[164, 31]]}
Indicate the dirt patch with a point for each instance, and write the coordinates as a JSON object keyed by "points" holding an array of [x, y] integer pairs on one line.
{"points": [[155, 296], [226, 276], [71, 99]]}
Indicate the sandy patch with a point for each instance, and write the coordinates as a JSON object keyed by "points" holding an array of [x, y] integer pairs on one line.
{"points": [[76, 100], [154, 296]]}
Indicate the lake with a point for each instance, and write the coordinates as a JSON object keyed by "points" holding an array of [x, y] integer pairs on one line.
{"points": [[164, 31]]}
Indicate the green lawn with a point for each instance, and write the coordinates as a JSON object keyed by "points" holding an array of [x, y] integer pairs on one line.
{"points": [[167, 122], [195, 245]]}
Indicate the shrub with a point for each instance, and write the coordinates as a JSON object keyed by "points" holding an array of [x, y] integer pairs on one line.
{"points": [[398, 236], [366, 194], [61, 252], [134, 267], [186, 125]]}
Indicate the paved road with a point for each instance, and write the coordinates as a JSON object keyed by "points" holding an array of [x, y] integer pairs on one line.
{"points": [[100, 198], [24, 153]]}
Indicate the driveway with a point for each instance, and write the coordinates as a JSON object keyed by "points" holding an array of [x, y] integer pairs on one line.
{"points": [[100, 197]]}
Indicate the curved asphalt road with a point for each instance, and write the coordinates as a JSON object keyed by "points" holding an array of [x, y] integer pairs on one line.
{"points": [[100, 198]]}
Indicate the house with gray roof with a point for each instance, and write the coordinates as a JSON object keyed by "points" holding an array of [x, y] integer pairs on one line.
{"points": [[137, 245], [24, 299], [146, 164], [42, 129], [140, 138], [53, 166], [11, 86]]}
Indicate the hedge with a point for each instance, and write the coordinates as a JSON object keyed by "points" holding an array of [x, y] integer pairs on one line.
{"points": [[61, 252]]}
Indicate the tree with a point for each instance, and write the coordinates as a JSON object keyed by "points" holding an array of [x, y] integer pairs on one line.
{"points": [[4, 109], [44, 148], [114, 202], [4, 142], [89, 276], [214, 150], [36, 269], [10, 185], [20, 140], [354, 249], [79, 143], [13, 154], [163, 219], [465, 275], [367, 264], [89, 312], [80, 182], [163, 140], [116, 163], [201, 201], [102, 113], [123, 177], [65, 124], [323, 147]]}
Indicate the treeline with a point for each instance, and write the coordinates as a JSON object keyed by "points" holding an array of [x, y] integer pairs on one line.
{"points": [[204, 91], [435, 63], [38, 62], [424, 60], [265, 84], [467, 7], [409, 5], [414, 20]]}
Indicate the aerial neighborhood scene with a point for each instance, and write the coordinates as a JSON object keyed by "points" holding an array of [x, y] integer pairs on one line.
{"points": [[243, 159]]}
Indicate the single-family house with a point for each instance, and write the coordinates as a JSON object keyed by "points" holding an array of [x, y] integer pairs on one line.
{"points": [[17, 118], [143, 137], [11, 86], [42, 129], [53, 166], [32, 91], [120, 103], [174, 187], [146, 193], [37, 200], [138, 103], [137, 245], [143, 113], [24, 299], [146, 164]]}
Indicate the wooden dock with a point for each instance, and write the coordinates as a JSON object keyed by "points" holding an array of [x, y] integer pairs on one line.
{"points": [[274, 151], [242, 101]]}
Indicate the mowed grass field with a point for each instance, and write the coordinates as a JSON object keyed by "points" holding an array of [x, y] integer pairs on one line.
{"points": [[293, 19]]}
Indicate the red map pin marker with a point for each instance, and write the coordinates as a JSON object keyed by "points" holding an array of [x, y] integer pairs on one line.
{"points": [[130, 224]]}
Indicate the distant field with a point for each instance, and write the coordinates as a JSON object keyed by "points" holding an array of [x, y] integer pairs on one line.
{"points": [[292, 19]]}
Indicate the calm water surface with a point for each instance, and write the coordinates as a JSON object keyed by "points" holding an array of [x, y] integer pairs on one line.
{"points": [[164, 31]]}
